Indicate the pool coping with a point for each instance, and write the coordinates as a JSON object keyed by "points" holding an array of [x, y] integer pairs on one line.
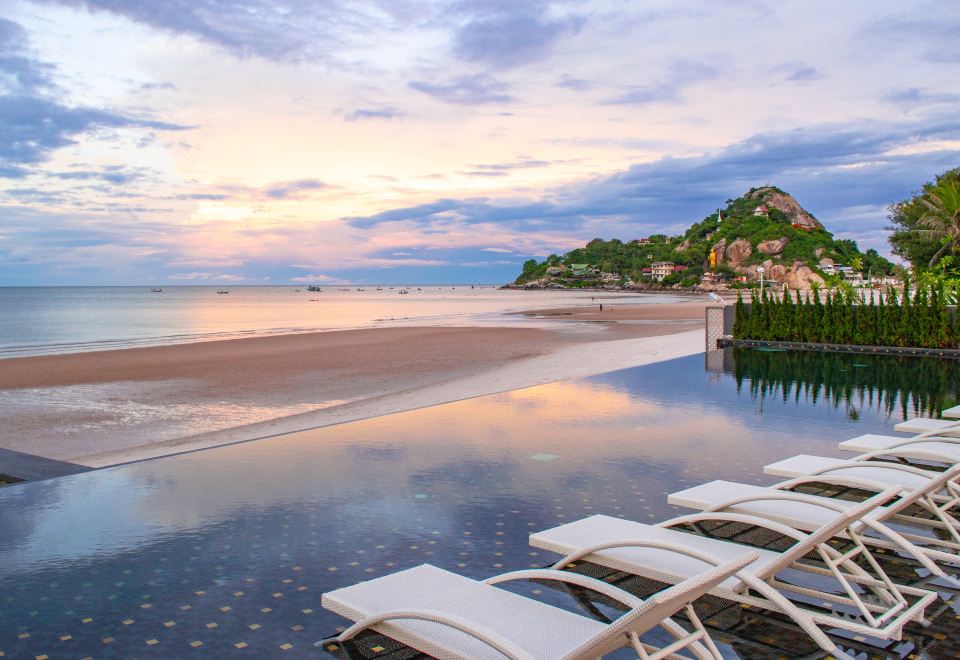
{"points": [[950, 353], [19, 467]]}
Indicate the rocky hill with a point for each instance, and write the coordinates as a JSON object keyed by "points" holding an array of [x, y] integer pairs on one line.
{"points": [[766, 227]]}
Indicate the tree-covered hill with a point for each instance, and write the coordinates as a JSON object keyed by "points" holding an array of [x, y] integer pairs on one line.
{"points": [[765, 227]]}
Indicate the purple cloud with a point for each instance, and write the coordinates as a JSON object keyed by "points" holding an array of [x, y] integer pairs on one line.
{"points": [[466, 90], [506, 39], [386, 112], [289, 189]]}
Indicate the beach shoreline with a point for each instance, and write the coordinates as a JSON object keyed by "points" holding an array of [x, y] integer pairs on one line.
{"points": [[109, 407]]}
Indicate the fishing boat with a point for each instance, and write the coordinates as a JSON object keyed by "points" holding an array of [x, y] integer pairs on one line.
{"points": [[156, 290], [223, 291]]}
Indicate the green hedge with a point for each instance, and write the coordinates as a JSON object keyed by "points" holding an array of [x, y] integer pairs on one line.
{"points": [[920, 319]]}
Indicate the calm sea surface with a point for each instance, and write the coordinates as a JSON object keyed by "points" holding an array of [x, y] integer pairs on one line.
{"points": [[224, 553], [36, 321]]}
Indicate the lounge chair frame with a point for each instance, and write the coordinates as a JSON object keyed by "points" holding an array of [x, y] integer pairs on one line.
{"points": [[619, 633], [884, 618], [915, 449], [940, 497], [948, 435], [949, 429], [916, 546]]}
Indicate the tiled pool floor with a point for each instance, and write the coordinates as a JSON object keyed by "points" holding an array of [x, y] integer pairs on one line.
{"points": [[226, 552]]}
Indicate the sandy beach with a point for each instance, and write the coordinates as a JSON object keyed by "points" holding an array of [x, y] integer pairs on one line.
{"points": [[110, 407]]}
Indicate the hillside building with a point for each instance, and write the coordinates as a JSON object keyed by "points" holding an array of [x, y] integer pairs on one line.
{"points": [[659, 270]]}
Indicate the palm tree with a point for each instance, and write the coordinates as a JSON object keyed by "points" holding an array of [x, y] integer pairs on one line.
{"points": [[942, 217]]}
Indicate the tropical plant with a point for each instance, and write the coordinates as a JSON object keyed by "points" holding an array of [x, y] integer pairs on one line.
{"points": [[910, 237], [941, 222]]}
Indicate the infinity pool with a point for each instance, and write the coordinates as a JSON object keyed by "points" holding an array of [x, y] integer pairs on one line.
{"points": [[226, 551]]}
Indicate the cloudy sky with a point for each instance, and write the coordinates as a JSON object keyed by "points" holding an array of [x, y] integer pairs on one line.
{"points": [[258, 141]]}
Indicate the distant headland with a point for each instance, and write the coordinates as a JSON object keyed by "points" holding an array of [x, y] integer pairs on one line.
{"points": [[765, 233]]}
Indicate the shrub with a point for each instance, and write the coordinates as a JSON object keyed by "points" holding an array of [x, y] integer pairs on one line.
{"points": [[919, 319]]}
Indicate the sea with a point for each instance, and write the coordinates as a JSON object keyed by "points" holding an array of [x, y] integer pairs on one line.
{"points": [[53, 320]]}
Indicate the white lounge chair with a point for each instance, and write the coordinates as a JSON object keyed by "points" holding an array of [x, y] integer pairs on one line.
{"points": [[450, 616], [887, 473], [931, 448], [924, 510], [661, 553], [927, 425], [939, 491], [874, 474], [936, 440], [951, 413]]}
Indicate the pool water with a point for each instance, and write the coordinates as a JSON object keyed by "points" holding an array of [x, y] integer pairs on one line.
{"points": [[226, 551]]}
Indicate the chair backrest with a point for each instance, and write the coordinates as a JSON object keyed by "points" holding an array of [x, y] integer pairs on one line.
{"points": [[931, 488], [659, 607], [827, 531]]}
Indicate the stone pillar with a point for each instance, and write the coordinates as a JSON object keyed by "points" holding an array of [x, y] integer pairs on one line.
{"points": [[715, 323]]}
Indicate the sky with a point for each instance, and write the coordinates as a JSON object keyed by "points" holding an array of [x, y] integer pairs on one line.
{"points": [[428, 141]]}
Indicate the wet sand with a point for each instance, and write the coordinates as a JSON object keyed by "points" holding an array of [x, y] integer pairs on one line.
{"points": [[110, 407], [692, 311]]}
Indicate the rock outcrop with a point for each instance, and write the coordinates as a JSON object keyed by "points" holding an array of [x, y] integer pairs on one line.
{"points": [[777, 273], [542, 283], [771, 198], [720, 248], [801, 276], [796, 276], [773, 248], [738, 252]]}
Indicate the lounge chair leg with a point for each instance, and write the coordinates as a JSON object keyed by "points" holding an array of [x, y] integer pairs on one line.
{"points": [[912, 550], [698, 626]]}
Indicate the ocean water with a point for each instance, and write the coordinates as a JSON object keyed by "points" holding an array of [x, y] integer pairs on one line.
{"points": [[46, 320]]}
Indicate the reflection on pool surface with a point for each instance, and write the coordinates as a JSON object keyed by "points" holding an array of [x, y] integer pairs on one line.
{"points": [[226, 551]]}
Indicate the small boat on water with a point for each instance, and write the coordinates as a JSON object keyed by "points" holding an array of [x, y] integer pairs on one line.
{"points": [[156, 290], [312, 287], [222, 291]]}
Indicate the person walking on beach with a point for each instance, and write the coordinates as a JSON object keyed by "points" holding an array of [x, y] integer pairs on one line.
{"points": [[601, 307]]}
